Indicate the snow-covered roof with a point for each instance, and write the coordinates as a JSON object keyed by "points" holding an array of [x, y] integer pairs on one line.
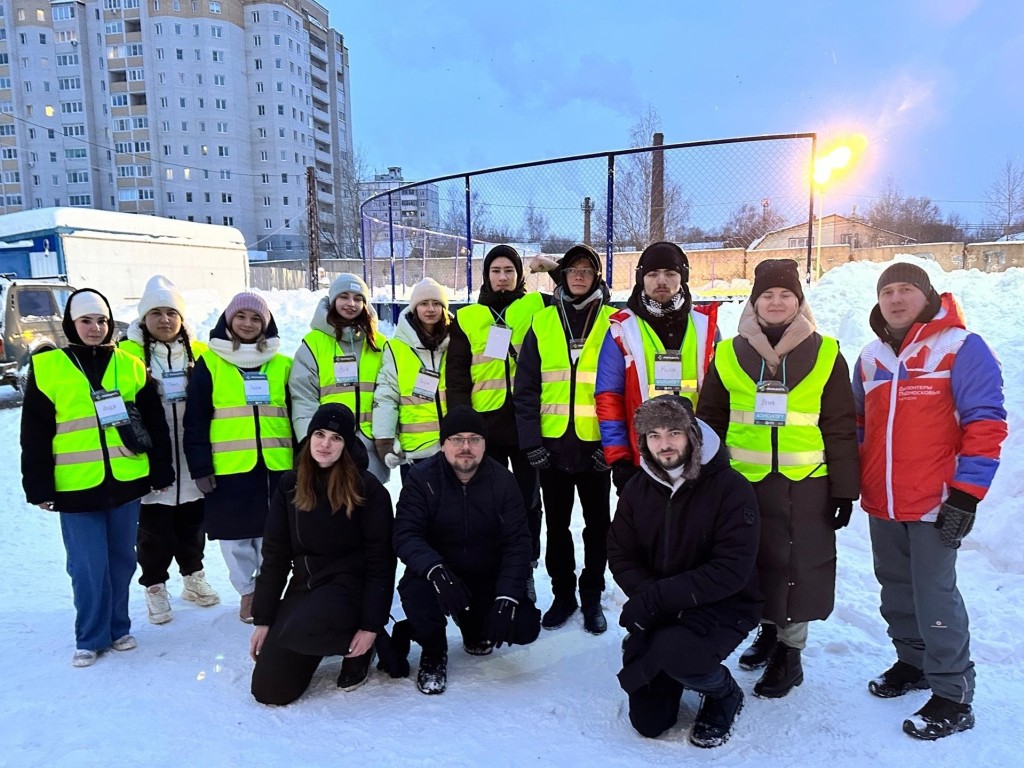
{"points": [[43, 220]]}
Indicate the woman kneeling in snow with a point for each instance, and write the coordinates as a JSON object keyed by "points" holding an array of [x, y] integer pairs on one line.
{"points": [[330, 527]]}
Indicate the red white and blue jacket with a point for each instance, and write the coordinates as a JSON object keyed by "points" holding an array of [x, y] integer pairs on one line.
{"points": [[621, 383], [929, 419]]}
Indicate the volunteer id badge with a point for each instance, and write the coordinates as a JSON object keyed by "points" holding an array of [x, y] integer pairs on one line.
{"points": [[346, 369], [575, 349], [174, 383], [668, 371], [770, 404], [498, 339], [110, 408], [257, 388], [426, 384]]}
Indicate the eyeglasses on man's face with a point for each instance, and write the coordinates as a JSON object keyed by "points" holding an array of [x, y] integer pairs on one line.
{"points": [[474, 440], [579, 271]]}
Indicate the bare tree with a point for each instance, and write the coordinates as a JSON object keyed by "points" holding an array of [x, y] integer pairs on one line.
{"points": [[1004, 197], [748, 223], [632, 200], [535, 225], [915, 217], [346, 227]]}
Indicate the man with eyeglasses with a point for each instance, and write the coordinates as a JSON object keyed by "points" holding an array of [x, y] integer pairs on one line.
{"points": [[661, 344], [558, 429], [461, 531]]}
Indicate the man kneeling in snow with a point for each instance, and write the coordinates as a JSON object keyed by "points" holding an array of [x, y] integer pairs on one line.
{"points": [[683, 547], [460, 529]]}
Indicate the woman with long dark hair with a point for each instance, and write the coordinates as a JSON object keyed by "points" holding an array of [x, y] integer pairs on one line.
{"points": [[329, 528]]}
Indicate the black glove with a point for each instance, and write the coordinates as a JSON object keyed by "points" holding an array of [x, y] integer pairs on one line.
{"points": [[539, 458], [501, 622], [621, 472], [956, 517], [642, 611], [598, 459], [700, 620], [206, 484], [452, 595], [842, 509]]}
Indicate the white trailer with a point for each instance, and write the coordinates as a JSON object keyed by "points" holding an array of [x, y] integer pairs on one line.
{"points": [[116, 253]]}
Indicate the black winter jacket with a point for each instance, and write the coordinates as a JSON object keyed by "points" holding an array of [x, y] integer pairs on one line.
{"points": [[39, 426], [699, 543], [317, 548], [476, 528]]}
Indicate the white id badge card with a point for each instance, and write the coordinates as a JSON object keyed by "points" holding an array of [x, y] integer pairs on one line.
{"points": [[668, 371], [346, 369], [174, 383], [110, 408], [426, 384], [498, 339], [257, 388], [575, 348], [770, 404]]}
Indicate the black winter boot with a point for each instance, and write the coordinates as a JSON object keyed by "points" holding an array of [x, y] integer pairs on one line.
{"points": [[784, 672], [757, 655], [899, 679], [561, 609], [432, 677], [713, 724], [354, 671], [393, 650], [594, 621], [938, 718]]}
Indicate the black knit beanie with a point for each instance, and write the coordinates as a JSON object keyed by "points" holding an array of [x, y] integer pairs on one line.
{"points": [[460, 419], [777, 273], [334, 417], [663, 255]]}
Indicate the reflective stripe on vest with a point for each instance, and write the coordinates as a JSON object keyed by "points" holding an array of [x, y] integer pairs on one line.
{"points": [[567, 391], [79, 443], [492, 377], [418, 423], [800, 449], [240, 432], [324, 348], [690, 355]]}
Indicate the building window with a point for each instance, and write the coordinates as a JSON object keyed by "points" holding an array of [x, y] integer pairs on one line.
{"points": [[218, 56], [225, 197], [268, 223], [223, 151], [214, 7]]}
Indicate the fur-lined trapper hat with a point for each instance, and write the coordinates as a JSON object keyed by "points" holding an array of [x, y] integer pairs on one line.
{"points": [[669, 412]]}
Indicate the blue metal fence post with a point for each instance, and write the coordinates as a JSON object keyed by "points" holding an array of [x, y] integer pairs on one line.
{"points": [[609, 220], [391, 243], [469, 245]]}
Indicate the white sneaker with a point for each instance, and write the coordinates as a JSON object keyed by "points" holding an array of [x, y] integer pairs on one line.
{"points": [[124, 643], [84, 658], [158, 604], [196, 589]]}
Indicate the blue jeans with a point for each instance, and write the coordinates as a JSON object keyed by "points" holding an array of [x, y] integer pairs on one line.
{"points": [[101, 561]]}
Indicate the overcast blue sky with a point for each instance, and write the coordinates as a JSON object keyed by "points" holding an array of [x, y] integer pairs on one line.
{"points": [[935, 85]]}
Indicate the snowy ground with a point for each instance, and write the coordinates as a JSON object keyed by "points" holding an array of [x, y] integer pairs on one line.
{"points": [[182, 698]]}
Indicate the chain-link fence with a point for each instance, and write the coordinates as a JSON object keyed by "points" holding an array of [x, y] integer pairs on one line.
{"points": [[715, 198]]}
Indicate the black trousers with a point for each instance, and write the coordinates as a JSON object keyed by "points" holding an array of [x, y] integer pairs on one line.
{"points": [[529, 486], [594, 489], [308, 627], [654, 708], [428, 622], [169, 533]]}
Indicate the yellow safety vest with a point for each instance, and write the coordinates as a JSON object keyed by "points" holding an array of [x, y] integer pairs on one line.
{"points": [[240, 432], [357, 397], [689, 354], [419, 420], [800, 448], [567, 389], [492, 377], [81, 448]]}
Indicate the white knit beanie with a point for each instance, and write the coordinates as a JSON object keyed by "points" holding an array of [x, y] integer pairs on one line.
{"points": [[427, 289], [88, 302], [161, 292]]}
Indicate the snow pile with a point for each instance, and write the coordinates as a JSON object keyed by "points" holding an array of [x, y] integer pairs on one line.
{"points": [[184, 692]]}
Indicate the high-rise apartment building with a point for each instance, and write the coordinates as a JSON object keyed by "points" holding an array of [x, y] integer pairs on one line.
{"points": [[417, 207], [203, 110]]}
